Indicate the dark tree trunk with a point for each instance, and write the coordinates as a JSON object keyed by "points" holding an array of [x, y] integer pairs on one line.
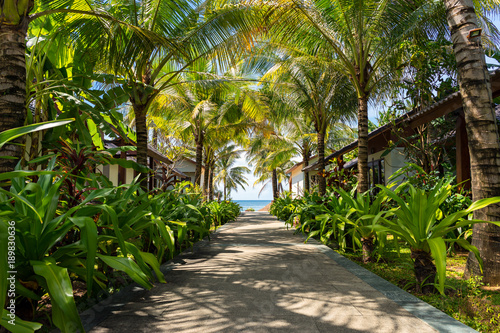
{"points": [[363, 145], [425, 271], [368, 247], [307, 184], [482, 133], [12, 88], [275, 184], [199, 159], [321, 164], [206, 175], [142, 140], [211, 184]]}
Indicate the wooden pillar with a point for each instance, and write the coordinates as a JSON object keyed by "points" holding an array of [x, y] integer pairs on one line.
{"points": [[152, 176], [122, 172], [463, 157]]}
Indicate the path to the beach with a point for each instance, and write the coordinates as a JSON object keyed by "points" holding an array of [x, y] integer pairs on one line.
{"points": [[257, 276]]}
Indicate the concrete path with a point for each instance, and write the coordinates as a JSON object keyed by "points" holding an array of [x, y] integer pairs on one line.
{"points": [[257, 276]]}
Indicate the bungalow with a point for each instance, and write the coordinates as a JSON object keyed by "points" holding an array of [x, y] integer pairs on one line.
{"points": [[382, 166], [297, 177], [163, 172], [188, 167]]}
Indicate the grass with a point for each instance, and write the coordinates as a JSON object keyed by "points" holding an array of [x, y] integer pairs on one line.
{"points": [[468, 301]]}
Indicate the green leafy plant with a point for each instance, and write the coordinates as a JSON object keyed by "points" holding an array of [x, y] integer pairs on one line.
{"points": [[421, 223], [365, 211]]}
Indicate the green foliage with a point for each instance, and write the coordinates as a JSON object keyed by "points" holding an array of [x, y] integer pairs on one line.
{"points": [[421, 222], [420, 217], [223, 212], [109, 229]]}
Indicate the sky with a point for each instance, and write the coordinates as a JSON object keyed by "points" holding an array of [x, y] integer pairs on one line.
{"points": [[252, 192]]}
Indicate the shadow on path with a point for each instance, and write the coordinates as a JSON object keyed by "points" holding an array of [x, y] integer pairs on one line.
{"points": [[256, 276]]}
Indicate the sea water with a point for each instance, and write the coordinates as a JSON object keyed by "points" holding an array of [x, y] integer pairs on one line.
{"points": [[255, 204]]}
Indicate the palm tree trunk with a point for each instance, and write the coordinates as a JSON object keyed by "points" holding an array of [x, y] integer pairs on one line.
{"points": [[321, 164], [484, 145], [363, 144], [199, 159], [275, 184], [305, 160], [211, 180], [225, 196], [142, 139], [12, 88], [206, 176]]}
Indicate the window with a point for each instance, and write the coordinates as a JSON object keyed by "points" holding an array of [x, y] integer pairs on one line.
{"points": [[376, 173]]}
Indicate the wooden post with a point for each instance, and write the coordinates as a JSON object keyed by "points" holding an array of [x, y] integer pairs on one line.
{"points": [[122, 173], [152, 176]]}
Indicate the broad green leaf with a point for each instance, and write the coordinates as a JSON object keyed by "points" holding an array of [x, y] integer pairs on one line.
{"points": [[128, 266], [21, 326], [23, 173], [438, 252], [88, 234], [151, 260], [14, 133], [61, 293]]}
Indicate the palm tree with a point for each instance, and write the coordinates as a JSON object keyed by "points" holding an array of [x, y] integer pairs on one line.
{"points": [[184, 32], [209, 109], [314, 89], [361, 38], [229, 175], [13, 29], [482, 132], [301, 137]]}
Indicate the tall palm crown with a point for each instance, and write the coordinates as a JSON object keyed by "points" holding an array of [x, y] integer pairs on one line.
{"points": [[229, 175], [158, 42], [316, 91], [360, 37]]}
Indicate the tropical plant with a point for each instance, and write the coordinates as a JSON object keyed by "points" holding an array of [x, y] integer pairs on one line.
{"points": [[462, 17], [229, 175], [316, 90], [421, 223], [365, 211], [361, 39]]}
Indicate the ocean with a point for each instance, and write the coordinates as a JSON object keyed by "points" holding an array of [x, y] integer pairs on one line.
{"points": [[255, 204]]}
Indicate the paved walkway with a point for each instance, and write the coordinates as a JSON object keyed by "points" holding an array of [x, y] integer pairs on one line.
{"points": [[257, 276]]}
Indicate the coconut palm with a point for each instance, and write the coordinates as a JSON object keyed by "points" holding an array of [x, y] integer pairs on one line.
{"points": [[229, 175], [314, 89], [148, 67], [482, 133], [361, 37]]}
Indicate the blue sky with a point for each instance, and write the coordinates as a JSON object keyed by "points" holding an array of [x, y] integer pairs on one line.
{"points": [[252, 192]]}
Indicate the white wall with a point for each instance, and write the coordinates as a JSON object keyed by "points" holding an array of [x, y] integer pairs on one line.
{"points": [[393, 161]]}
